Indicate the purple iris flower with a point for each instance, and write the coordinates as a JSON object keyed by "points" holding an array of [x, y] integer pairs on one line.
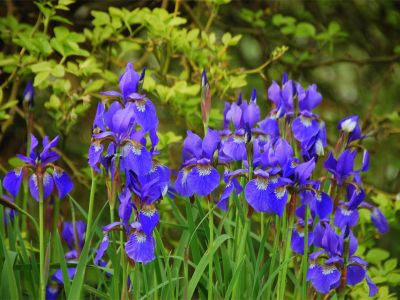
{"points": [[40, 164], [197, 175], [138, 215], [117, 125], [282, 97], [326, 264], [267, 192], [139, 247], [143, 109]]}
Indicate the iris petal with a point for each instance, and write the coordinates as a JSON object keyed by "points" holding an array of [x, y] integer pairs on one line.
{"points": [[63, 182], [203, 179], [48, 186], [140, 247], [149, 218], [12, 181]]}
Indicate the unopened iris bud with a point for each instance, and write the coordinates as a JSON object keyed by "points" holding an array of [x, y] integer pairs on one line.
{"points": [[205, 98], [27, 96]]}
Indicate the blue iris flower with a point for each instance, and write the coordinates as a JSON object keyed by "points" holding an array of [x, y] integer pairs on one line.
{"points": [[143, 109], [198, 175], [326, 264], [39, 164]]}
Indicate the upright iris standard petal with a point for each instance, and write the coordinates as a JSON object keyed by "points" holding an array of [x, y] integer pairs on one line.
{"points": [[122, 120], [270, 127], [324, 205], [345, 163], [304, 170], [234, 115], [63, 182], [140, 247], [210, 143], [203, 179], [137, 158], [192, 146], [12, 181], [149, 218], [128, 83], [325, 277], [48, 186], [309, 99]]}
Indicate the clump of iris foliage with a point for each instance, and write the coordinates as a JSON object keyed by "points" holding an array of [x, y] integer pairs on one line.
{"points": [[270, 214]]}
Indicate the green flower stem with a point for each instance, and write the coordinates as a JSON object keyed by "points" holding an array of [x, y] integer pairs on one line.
{"points": [[275, 253], [42, 290], [56, 214], [287, 251], [25, 205], [210, 245], [25, 184], [343, 276], [304, 263], [91, 205], [124, 292]]}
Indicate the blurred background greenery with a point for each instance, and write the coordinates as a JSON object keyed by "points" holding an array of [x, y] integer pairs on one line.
{"points": [[72, 50]]}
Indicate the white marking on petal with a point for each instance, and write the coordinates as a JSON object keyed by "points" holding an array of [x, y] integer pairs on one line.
{"points": [[319, 148], [326, 270], [141, 106], [238, 139], [97, 147], [18, 171], [318, 196], [346, 212], [149, 212], [305, 121], [140, 237], [136, 149], [46, 178], [280, 192], [261, 183], [165, 190], [204, 170], [349, 125]]}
